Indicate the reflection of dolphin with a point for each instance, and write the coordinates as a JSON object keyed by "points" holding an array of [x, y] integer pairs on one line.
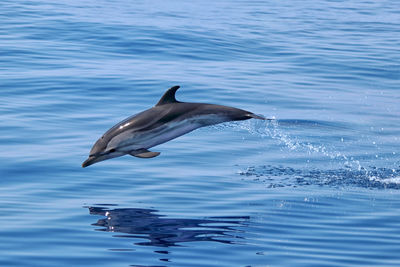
{"points": [[165, 232], [159, 124]]}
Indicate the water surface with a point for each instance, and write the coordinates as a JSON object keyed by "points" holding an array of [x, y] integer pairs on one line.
{"points": [[317, 186]]}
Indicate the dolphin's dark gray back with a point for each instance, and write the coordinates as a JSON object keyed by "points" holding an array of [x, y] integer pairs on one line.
{"points": [[168, 109]]}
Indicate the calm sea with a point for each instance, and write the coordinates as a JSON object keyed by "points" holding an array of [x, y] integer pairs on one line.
{"points": [[318, 186]]}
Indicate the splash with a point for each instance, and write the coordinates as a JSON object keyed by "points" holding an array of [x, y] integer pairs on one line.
{"points": [[273, 130], [279, 176], [351, 172]]}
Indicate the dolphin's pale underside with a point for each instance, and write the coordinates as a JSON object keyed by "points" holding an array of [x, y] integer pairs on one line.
{"points": [[167, 120]]}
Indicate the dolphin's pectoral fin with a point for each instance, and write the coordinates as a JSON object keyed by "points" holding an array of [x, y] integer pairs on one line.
{"points": [[144, 153], [147, 155], [169, 96]]}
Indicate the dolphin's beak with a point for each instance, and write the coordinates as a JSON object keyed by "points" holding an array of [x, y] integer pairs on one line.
{"points": [[90, 160]]}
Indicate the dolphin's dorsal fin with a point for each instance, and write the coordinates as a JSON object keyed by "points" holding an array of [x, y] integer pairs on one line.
{"points": [[169, 96]]}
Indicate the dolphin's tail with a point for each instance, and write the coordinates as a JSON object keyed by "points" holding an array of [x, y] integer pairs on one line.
{"points": [[258, 117]]}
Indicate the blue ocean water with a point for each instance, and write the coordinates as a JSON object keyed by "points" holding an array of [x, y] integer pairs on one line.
{"points": [[317, 186]]}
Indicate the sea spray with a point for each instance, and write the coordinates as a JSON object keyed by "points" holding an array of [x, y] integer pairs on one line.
{"points": [[351, 172]]}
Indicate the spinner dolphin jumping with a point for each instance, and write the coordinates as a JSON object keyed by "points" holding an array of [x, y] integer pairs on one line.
{"points": [[167, 120]]}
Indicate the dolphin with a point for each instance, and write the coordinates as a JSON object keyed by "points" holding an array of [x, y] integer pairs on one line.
{"points": [[167, 120]]}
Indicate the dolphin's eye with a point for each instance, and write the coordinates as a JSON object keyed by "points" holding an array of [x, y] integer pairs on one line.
{"points": [[112, 150]]}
